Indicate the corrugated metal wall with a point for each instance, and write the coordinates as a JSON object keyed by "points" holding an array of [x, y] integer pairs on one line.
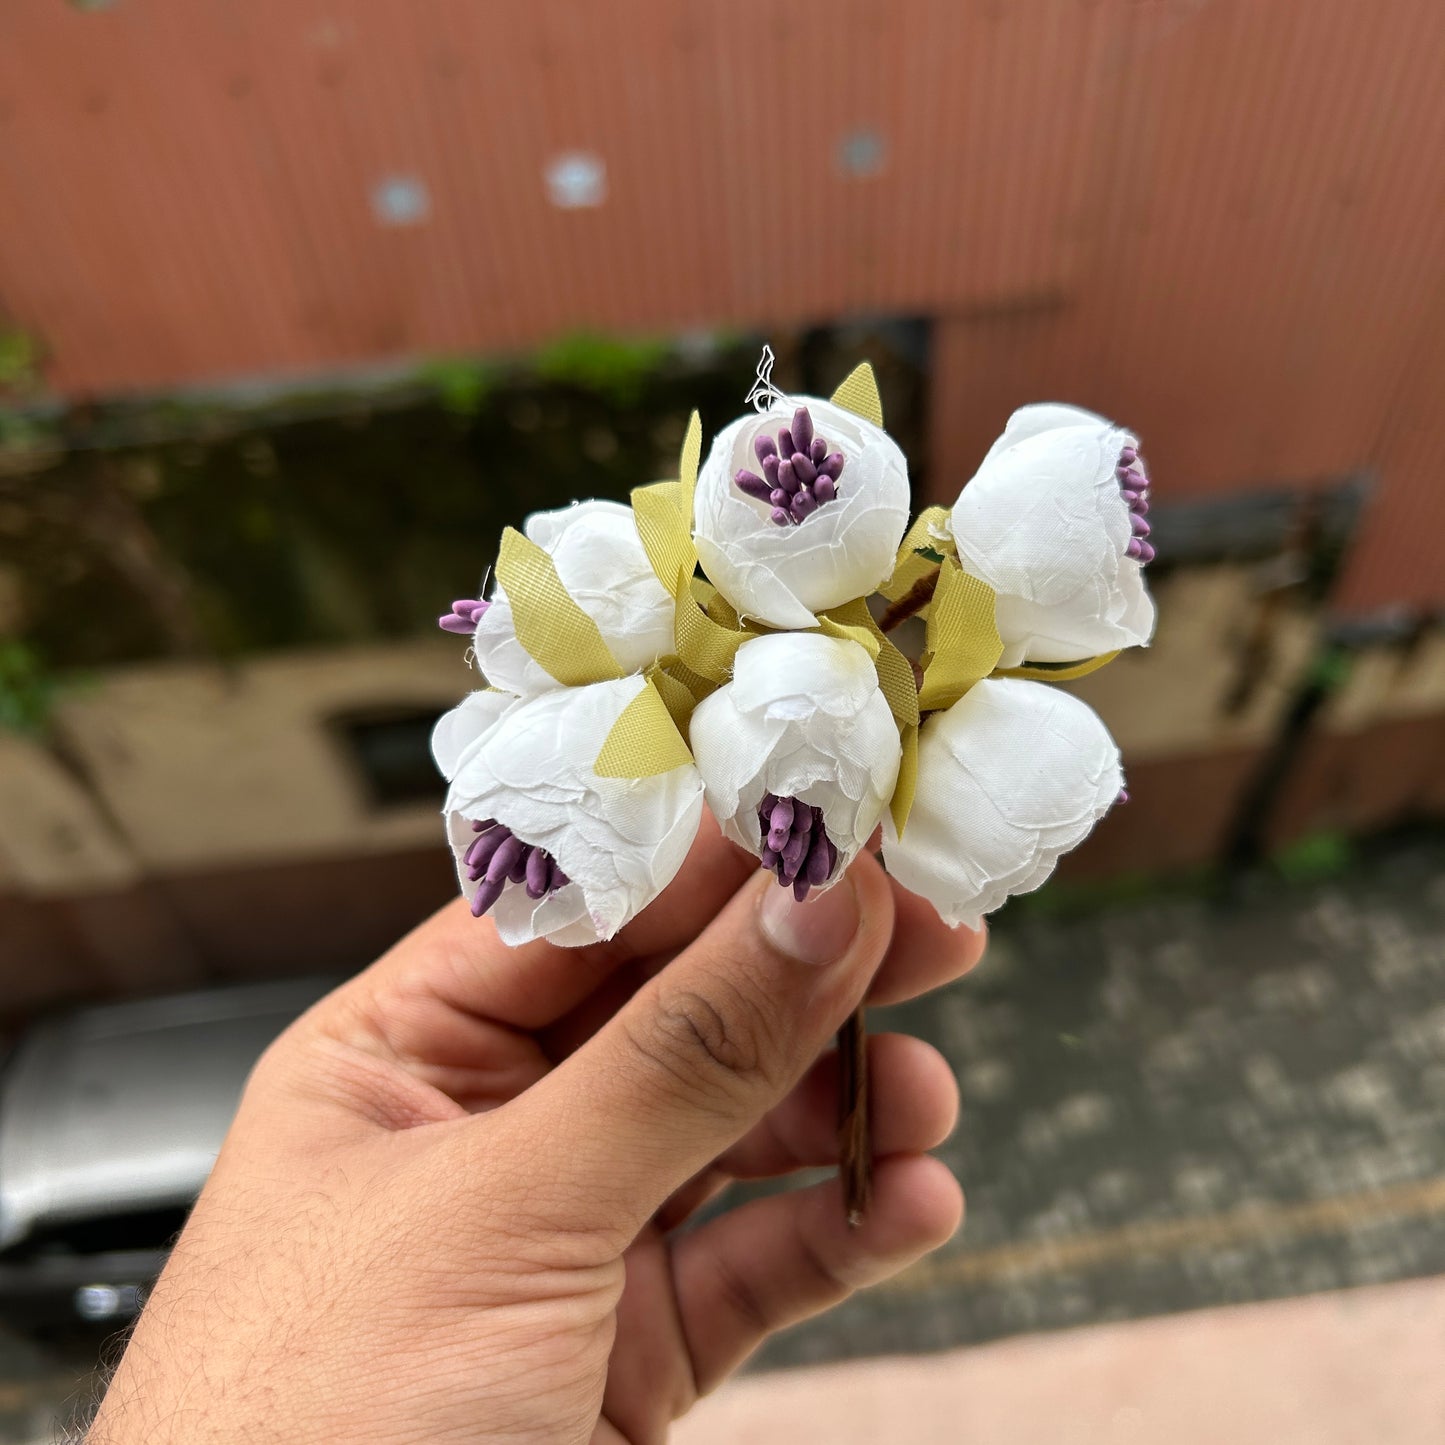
{"points": [[1224, 221]]}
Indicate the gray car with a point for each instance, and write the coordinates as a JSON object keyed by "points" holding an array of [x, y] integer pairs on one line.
{"points": [[110, 1121]]}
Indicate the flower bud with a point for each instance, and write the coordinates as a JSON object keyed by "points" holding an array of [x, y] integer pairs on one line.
{"points": [[1046, 522], [1010, 778], [834, 535]]}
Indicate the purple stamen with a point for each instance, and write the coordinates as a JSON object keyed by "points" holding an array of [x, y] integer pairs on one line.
{"points": [[465, 614], [486, 895], [539, 867], [1133, 479], [512, 848], [799, 473], [753, 485], [795, 847], [479, 856], [498, 858], [780, 823], [816, 868]]}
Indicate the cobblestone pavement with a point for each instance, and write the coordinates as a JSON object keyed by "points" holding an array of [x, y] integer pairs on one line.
{"points": [[1177, 1103], [1182, 1103]]}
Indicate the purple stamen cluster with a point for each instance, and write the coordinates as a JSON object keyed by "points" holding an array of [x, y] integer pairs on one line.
{"points": [[499, 857], [799, 475], [1134, 487], [463, 618], [796, 846]]}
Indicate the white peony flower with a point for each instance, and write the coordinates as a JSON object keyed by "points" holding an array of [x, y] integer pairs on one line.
{"points": [[457, 730], [579, 854], [1009, 778], [799, 754], [785, 536], [1054, 521], [599, 559]]}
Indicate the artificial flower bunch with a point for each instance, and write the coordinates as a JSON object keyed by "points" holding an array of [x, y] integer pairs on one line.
{"points": [[730, 639]]}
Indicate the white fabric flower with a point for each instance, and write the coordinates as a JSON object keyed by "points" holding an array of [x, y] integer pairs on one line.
{"points": [[600, 561], [619, 841], [803, 720], [783, 572], [457, 730], [1009, 778], [1046, 523]]}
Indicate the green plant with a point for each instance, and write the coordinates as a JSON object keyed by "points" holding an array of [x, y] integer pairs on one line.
{"points": [[27, 689], [18, 359], [1317, 855], [613, 367], [461, 383]]}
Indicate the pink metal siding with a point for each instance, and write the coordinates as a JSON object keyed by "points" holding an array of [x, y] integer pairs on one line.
{"points": [[1224, 222]]}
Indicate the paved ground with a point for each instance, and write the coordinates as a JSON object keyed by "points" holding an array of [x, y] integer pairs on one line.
{"points": [[1181, 1103]]}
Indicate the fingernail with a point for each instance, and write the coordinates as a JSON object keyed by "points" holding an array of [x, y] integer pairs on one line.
{"points": [[816, 931]]}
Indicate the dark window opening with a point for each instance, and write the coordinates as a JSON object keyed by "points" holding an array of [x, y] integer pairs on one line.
{"points": [[390, 748]]}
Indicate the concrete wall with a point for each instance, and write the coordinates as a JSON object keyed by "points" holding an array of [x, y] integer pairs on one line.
{"points": [[209, 822]]}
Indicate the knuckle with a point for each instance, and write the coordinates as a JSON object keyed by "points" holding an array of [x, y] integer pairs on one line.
{"points": [[707, 1045], [826, 1280], [741, 1298]]}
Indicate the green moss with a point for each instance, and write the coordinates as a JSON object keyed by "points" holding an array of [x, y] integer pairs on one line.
{"points": [[27, 689], [307, 520], [612, 367], [1315, 856]]}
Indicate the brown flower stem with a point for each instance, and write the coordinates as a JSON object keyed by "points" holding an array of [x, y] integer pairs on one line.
{"points": [[914, 600], [855, 1147]]}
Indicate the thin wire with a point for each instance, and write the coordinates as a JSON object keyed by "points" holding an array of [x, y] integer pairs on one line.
{"points": [[764, 394]]}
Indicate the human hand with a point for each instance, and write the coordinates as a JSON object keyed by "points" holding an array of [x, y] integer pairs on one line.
{"points": [[448, 1208]]}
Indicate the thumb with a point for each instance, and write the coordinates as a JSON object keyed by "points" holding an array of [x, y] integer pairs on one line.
{"points": [[707, 1047]]}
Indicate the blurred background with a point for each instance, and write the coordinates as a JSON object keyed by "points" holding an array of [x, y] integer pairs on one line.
{"points": [[301, 301]]}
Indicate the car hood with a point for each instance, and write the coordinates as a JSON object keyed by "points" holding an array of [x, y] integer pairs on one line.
{"points": [[123, 1107]]}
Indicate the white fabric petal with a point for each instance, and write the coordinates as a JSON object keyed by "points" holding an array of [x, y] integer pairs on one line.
{"points": [[457, 730], [1044, 523], [1009, 779], [803, 718], [600, 561], [783, 575], [620, 840]]}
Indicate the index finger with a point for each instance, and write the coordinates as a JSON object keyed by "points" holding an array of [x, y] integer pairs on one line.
{"points": [[456, 964]]}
